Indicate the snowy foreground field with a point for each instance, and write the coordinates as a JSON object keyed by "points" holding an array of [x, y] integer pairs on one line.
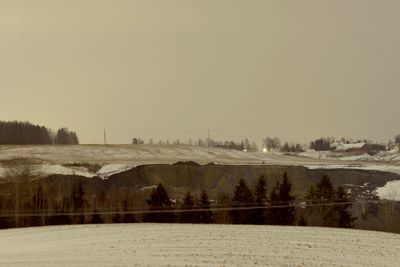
{"points": [[196, 245]]}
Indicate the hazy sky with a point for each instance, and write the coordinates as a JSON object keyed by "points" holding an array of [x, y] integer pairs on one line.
{"points": [[170, 69]]}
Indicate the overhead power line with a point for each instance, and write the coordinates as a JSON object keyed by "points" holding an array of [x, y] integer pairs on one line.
{"points": [[214, 209]]}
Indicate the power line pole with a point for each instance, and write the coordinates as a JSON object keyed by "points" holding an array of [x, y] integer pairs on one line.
{"points": [[105, 137]]}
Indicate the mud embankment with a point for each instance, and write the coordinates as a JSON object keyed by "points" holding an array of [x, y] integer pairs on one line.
{"points": [[223, 178]]}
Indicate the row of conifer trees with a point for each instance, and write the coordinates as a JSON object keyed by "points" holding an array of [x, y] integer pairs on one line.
{"points": [[322, 205], [25, 133]]}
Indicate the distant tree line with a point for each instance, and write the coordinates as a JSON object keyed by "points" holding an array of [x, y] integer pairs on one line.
{"points": [[292, 148], [319, 211], [274, 144], [322, 144], [327, 144], [25, 133], [245, 144], [66, 137], [31, 203]]}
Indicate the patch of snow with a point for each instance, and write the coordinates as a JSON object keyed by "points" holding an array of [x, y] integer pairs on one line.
{"points": [[357, 157], [392, 156], [48, 169], [349, 146], [110, 169], [331, 166], [382, 168], [196, 245], [391, 191], [148, 188], [311, 153]]}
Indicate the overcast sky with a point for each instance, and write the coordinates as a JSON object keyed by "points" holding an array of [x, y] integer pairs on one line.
{"points": [[171, 69]]}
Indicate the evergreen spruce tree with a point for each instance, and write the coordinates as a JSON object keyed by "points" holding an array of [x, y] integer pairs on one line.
{"points": [[188, 204], [311, 194], [281, 197], [260, 193], [326, 194], [328, 214], [287, 214], [242, 199], [312, 213], [345, 218], [273, 213], [204, 204], [325, 190], [159, 201]]}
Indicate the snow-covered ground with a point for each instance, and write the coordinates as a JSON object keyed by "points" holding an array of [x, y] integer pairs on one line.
{"points": [[110, 169], [138, 154], [391, 156], [47, 169], [49, 159], [367, 167], [196, 245], [391, 191]]}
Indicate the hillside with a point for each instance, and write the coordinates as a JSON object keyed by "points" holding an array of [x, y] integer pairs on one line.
{"points": [[146, 165], [103, 161], [196, 245]]}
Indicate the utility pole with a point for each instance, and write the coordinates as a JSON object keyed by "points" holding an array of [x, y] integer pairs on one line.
{"points": [[105, 137]]}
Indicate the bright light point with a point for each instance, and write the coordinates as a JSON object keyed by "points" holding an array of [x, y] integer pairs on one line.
{"points": [[245, 150], [265, 150]]}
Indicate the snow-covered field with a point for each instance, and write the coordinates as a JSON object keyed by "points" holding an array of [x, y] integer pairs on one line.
{"points": [[391, 191], [196, 245], [115, 158], [391, 156]]}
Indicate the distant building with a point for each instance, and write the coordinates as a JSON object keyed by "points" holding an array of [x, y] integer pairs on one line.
{"points": [[360, 148], [355, 149]]}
